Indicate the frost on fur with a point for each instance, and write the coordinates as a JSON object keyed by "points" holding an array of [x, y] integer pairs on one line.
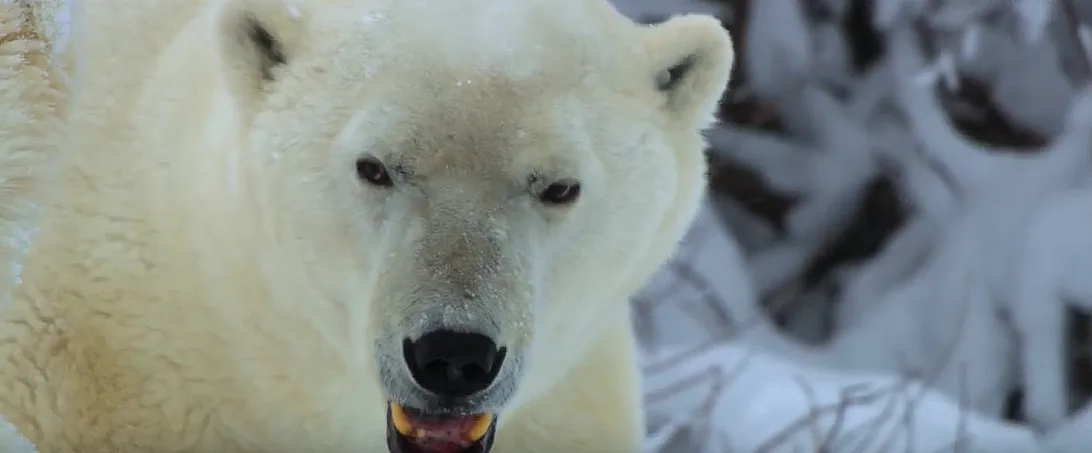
{"points": [[29, 130]]}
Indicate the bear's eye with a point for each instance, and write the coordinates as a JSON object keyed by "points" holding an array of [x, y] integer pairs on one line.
{"points": [[560, 193], [372, 171]]}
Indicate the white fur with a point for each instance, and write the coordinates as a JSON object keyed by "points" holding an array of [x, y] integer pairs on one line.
{"points": [[213, 275], [31, 95]]}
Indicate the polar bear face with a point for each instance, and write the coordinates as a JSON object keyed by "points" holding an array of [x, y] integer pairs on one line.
{"points": [[474, 185]]}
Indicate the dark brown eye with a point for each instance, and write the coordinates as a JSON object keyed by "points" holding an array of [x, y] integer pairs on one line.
{"points": [[560, 193], [372, 171]]}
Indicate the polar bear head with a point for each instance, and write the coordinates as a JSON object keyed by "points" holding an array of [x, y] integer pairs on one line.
{"points": [[471, 185]]}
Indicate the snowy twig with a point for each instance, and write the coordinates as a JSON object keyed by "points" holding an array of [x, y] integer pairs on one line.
{"points": [[1073, 29]]}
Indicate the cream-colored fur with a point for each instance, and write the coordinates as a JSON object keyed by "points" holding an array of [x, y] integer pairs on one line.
{"points": [[212, 276], [30, 93], [52, 15]]}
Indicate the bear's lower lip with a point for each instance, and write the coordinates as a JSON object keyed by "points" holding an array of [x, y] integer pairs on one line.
{"points": [[410, 431]]}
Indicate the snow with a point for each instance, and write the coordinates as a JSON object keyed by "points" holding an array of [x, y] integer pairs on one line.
{"points": [[1050, 278], [968, 301], [782, 55], [11, 441], [764, 403], [829, 178]]}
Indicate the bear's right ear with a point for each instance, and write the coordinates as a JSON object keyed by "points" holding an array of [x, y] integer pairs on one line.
{"points": [[254, 38]]}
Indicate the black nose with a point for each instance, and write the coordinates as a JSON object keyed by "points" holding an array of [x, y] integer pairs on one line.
{"points": [[453, 364]]}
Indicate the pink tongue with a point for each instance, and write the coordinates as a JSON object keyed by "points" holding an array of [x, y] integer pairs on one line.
{"points": [[442, 435], [440, 446]]}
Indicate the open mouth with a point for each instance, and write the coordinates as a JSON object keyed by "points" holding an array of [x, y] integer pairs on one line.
{"points": [[411, 431]]}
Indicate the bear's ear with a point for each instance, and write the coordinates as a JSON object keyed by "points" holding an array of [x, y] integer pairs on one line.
{"points": [[692, 61], [254, 38]]}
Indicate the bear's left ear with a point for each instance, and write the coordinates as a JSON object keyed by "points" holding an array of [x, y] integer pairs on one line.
{"points": [[254, 38], [692, 60]]}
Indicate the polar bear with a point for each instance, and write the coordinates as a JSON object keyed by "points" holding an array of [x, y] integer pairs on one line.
{"points": [[31, 96], [356, 225]]}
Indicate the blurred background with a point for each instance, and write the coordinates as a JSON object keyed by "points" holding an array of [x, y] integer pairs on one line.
{"points": [[896, 250]]}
